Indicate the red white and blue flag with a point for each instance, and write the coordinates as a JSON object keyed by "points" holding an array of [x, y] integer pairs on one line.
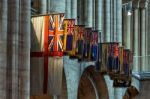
{"points": [[55, 37]]}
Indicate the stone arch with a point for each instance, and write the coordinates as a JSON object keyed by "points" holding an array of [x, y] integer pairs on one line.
{"points": [[92, 85], [130, 93]]}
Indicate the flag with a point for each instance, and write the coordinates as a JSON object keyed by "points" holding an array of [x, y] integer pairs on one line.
{"points": [[74, 51], [121, 59], [56, 32], [110, 58], [99, 58], [116, 62], [80, 41], [68, 35], [104, 54], [94, 45], [126, 64], [87, 47]]}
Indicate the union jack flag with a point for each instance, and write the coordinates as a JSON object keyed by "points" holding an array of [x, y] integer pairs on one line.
{"points": [[87, 36], [80, 32], [68, 34], [56, 32], [80, 41], [94, 39], [94, 45]]}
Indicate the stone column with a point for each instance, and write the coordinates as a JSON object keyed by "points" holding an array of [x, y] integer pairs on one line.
{"points": [[88, 13], [12, 49], [93, 19], [24, 50], [111, 19], [43, 6], [68, 9], [143, 6], [3, 47], [119, 21], [114, 20], [74, 9], [148, 39], [136, 38], [127, 26], [80, 12], [48, 6], [98, 16], [107, 21], [57, 6]]}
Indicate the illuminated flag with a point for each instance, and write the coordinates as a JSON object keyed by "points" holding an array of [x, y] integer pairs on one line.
{"points": [[94, 45], [87, 47], [80, 41], [56, 32], [116, 62], [68, 35]]}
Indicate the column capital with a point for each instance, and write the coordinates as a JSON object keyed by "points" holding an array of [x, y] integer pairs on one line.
{"points": [[143, 4], [135, 4]]}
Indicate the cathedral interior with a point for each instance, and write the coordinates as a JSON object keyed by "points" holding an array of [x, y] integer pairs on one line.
{"points": [[28, 69]]}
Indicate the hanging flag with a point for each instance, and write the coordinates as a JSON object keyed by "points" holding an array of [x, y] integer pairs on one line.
{"points": [[94, 45], [116, 62], [99, 57], [80, 42], [110, 58], [87, 47], [68, 35], [104, 56], [74, 51], [121, 59], [126, 53], [56, 32]]}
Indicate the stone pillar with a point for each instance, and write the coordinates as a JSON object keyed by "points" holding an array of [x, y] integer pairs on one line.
{"points": [[88, 13], [98, 16], [148, 39], [119, 21], [43, 6], [48, 6], [107, 21], [57, 6], [68, 9], [12, 49], [80, 12], [93, 19], [114, 20], [74, 9], [111, 19], [136, 38], [3, 47], [143, 21], [143, 6], [127, 26], [24, 50]]}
